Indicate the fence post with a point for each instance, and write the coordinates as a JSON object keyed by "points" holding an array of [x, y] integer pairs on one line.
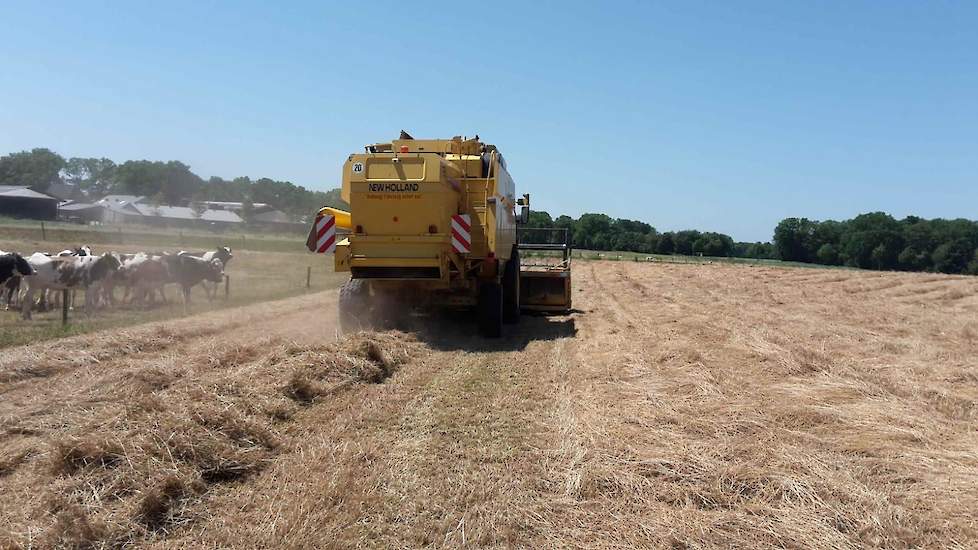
{"points": [[44, 234], [227, 286], [64, 307], [308, 275]]}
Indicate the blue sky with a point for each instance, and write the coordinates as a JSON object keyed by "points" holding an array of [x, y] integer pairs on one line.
{"points": [[723, 116]]}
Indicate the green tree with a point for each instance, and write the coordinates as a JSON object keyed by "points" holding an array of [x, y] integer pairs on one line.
{"points": [[972, 268], [539, 218], [953, 257], [94, 176], [666, 245], [141, 178], [633, 226], [593, 231], [828, 254], [873, 249], [37, 168], [147, 178], [794, 239], [684, 240], [914, 259]]}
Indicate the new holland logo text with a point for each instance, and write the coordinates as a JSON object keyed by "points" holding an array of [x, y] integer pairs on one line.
{"points": [[393, 187]]}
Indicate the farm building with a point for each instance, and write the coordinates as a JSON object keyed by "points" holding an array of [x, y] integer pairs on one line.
{"points": [[81, 212], [23, 202], [236, 206], [263, 215], [132, 209], [120, 208], [177, 216], [276, 220]]}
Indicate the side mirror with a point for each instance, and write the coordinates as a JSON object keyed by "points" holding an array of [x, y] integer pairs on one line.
{"points": [[524, 215]]}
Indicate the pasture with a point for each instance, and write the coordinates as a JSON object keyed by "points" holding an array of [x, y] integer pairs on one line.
{"points": [[264, 269]]}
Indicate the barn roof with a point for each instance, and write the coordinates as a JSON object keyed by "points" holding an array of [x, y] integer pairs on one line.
{"points": [[272, 216], [121, 199], [76, 206], [234, 205], [187, 213], [23, 192]]}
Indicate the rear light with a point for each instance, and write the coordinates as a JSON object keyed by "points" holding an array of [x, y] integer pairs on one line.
{"points": [[432, 229], [491, 255], [358, 229], [404, 148]]}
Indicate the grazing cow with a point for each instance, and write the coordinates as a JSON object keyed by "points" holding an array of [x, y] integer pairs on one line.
{"points": [[83, 250], [68, 273], [224, 254], [11, 290], [122, 276], [147, 275], [188, 271], [14, 265], [78, 251]]}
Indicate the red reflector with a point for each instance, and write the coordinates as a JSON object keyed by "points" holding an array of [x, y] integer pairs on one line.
{"points": [[492, 255], [359, 229], [404, 148], [395, 218], [432, 229]]}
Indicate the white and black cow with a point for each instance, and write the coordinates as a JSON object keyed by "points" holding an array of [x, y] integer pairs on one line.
{"points": [[13, 265], [147, 275], [224, 254], [120, 278], [68, 273], [10, 292], [78, 251], [188, 271]]}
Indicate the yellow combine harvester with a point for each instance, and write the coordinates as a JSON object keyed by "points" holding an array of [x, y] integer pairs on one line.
{"points": [[433, 222]]}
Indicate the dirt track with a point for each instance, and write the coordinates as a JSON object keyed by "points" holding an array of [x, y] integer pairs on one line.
{"points": [[679, 406]]}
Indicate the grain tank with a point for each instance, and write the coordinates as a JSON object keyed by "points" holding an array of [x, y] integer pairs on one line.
{"points": [[431, 222]]}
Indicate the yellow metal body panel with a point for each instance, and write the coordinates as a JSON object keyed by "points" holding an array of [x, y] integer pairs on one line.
{"points": [[341, 257], [403, 195], [342, 217]]}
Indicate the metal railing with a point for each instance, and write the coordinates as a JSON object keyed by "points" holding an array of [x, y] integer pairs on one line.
{"points": [[544, 248]]}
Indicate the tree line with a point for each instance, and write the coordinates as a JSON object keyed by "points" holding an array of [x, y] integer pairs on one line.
{"points": [[870, 241], [602, 232], [170, 183], [879, 241]]}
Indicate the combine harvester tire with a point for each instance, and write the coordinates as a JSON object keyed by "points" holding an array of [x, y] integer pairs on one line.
{"points": [[490, 310], [353, 305], [511, 289]]}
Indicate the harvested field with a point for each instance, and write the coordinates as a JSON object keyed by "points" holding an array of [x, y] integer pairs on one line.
{"points": [[681, 406]]}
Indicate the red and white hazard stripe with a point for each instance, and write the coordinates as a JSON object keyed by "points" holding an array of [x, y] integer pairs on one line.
{"points": [[325, 234], [462, 233]]}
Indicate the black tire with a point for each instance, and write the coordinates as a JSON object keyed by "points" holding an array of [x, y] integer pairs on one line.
{"points": [[511, 289], [491, 310], [353, 306]]}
